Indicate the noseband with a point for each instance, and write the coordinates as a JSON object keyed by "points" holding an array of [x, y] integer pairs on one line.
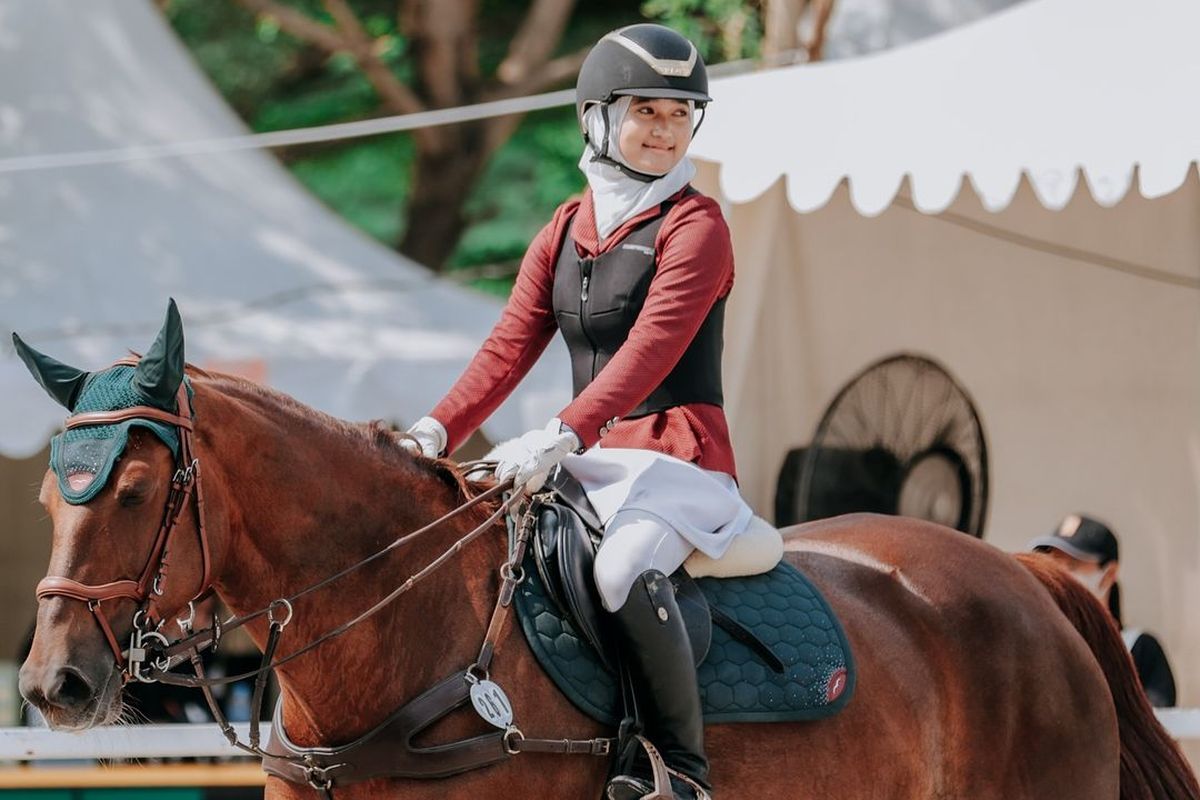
{"points": [[148, 587]]}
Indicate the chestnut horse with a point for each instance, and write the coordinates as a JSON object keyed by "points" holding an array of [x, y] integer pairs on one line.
{"points": [[972, 683]]}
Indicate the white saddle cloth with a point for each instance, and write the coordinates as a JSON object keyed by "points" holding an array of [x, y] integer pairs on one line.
{"points": [[756, 550]]}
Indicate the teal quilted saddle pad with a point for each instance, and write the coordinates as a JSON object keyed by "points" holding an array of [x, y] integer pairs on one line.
{"points": [[781, 608]]}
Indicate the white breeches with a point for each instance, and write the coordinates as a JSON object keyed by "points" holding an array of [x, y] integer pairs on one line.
{"points": [[656, 510], [635, 541]]}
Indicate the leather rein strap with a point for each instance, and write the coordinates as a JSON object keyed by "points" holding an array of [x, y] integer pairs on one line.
{"points": [[148, 587]]}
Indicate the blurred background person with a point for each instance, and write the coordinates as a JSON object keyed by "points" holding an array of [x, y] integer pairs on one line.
{"points": [[1090, 551]]}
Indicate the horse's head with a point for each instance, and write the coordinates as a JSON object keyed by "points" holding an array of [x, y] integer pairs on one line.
{"points": [[115, 483]]}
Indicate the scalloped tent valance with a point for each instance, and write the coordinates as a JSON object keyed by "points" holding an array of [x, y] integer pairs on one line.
{"points": [[1062, 92]]}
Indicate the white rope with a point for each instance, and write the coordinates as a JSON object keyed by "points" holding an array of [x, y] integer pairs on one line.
{"points": [[320, 133], [324, 133]]}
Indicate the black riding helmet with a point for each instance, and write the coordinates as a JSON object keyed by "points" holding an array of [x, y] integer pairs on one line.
{"points": [[644, 60]]}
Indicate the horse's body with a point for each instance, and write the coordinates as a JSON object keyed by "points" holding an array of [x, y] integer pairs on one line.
{"points": [[971, 683]]}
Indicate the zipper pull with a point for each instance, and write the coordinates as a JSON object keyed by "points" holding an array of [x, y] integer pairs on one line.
{"points": [[585, 266]]}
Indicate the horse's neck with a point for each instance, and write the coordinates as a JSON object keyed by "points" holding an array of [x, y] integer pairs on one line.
{"points": [[295, 499]]}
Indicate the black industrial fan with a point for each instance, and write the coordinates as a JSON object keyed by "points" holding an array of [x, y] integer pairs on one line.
{"points": [[902, 437]]}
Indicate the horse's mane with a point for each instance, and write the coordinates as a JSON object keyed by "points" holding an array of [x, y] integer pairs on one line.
{"points": [[376, 439]]}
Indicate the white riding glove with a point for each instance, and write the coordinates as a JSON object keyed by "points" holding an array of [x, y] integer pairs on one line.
{"points": [[430, 438], [530, 459]]}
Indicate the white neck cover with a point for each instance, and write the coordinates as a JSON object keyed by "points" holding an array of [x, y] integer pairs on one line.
{"points": [[616, 196]]}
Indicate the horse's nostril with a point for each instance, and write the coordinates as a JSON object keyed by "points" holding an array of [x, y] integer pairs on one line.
{"points": [[70, 690]]}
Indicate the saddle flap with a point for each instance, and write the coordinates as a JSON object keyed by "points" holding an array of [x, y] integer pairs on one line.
{"points": [[564, 555]]}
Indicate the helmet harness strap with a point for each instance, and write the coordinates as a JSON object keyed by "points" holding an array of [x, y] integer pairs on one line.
{"points": [[601, 154]]}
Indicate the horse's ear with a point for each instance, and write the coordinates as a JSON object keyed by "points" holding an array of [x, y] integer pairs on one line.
{"points": [[61, 381], [160, 371]]}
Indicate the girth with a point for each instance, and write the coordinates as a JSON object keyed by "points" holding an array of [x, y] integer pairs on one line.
{"points": [[388, 750]]}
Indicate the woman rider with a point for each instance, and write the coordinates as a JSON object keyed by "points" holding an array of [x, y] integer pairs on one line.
{"points": [[635, 275]]}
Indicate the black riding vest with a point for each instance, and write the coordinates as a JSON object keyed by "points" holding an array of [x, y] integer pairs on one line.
{"points": [[597, 300]]}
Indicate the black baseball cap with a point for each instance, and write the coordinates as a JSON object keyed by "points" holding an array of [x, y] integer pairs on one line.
{"points": [[1081, 537]]}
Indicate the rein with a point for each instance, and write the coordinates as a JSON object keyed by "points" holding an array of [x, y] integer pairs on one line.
{"points": [[209, 638]]}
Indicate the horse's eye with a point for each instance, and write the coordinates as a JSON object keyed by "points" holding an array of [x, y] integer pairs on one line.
{"points": [[130, 499]]}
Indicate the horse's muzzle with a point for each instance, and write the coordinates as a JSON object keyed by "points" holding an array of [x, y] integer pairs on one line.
{"points": [[67, 697]]}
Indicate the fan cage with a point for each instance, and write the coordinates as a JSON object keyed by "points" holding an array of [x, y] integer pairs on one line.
{"points": [[956, 435]]}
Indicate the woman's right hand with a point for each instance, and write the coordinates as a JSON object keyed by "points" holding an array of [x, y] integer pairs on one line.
{"points": [[530, 459], [428, 438]]}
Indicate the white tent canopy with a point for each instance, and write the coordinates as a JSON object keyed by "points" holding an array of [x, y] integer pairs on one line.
{"points": [[269, 282], [1071, 317], [1048, 90]]}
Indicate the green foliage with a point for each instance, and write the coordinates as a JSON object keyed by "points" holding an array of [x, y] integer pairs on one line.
{"points": [[275, 82], [523, 184], [366, 182], [245, 59], [723, 30]]}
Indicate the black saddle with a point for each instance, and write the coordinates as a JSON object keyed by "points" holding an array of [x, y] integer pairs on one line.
{"points": [[564, 549]]}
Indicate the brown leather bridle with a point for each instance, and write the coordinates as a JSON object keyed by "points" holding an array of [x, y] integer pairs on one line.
{"points": [[146, 590]]}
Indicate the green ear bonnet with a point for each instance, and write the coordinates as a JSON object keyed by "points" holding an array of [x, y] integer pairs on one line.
{"points": [[83, 458]]}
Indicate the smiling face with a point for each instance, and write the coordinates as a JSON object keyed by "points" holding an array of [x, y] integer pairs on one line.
{"points": [[655, 134]]}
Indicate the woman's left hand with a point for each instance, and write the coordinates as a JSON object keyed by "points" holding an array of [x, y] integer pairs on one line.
{"points": [[530, 459]]}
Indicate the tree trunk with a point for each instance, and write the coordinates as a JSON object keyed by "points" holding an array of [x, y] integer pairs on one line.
{"points": [[822, 12], [449, 159], [445, 50], [781, 28], [442, 180], [782, 20]]}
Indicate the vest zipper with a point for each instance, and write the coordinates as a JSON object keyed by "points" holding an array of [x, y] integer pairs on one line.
{"points": [[585, 266]]}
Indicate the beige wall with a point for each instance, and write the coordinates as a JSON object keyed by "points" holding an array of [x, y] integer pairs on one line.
{"points": [[1087, 377], [24, 547]]}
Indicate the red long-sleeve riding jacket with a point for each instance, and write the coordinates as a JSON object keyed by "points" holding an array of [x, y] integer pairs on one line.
{"points": [[694, 259]]}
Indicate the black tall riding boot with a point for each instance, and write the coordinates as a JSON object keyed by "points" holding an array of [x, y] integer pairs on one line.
{"points": [[656, 647]]}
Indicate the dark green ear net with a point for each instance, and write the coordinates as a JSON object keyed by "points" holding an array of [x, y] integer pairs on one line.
{"points": [[59, 380], [83, 457], [160, 371]]}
